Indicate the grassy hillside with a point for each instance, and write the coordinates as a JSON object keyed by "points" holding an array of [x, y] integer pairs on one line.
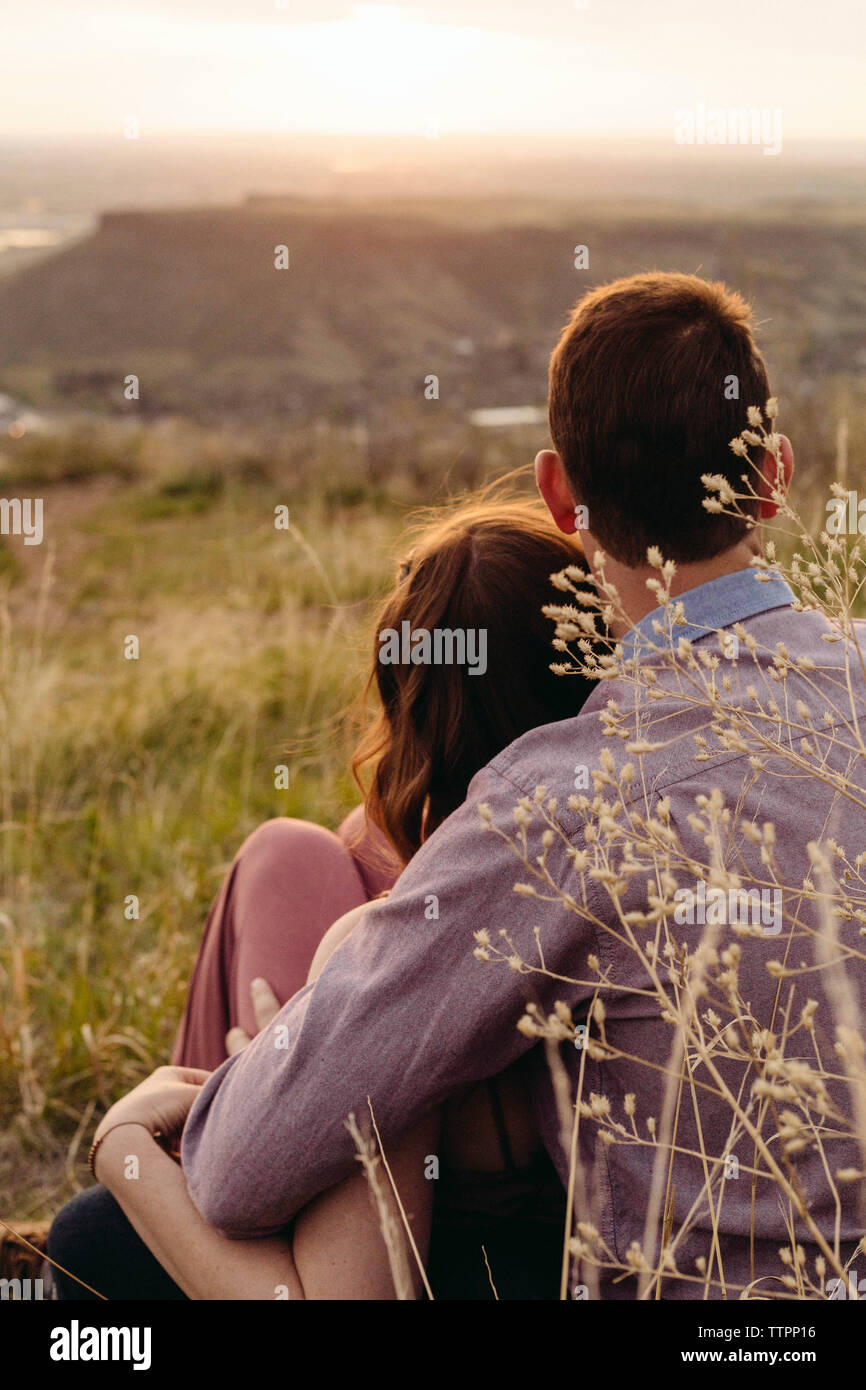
{"points": [[375, 301]]}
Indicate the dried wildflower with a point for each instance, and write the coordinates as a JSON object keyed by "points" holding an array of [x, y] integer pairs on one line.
{"points": [[599, 1105], [717, 482], [529, 1028], [635, 1257]]}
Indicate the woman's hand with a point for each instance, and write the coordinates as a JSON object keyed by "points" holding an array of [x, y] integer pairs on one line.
{"points": [[161, 1102], [266, 1006]]}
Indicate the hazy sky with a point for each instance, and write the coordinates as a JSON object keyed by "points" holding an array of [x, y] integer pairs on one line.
{"points": [[595, 67]]}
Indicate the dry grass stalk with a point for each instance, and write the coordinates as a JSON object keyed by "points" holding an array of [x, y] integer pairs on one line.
{"points": [[369, 1159]]}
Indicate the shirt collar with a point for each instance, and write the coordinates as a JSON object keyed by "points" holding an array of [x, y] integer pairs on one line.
{"points": [[716, 604]]}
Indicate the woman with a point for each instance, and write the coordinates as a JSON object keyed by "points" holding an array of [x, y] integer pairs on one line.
{"points": [[294, 892]]}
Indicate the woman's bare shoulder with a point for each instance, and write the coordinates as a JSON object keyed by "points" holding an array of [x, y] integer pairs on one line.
{"points": [[336, 933]]}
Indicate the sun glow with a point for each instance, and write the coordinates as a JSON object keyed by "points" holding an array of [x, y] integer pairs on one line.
{"points": [[321, 66], [383, 69]]}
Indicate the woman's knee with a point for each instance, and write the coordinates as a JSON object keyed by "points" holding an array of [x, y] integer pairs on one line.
{"points": [[284, 856], [284, 842]]}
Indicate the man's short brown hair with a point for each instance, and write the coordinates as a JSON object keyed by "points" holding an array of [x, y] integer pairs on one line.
{"points": [[639, 408]]}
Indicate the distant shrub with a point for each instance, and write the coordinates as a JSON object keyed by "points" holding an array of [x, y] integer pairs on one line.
{"points": [[83, 451]]}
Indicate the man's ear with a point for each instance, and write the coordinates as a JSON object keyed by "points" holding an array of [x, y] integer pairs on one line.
{"points": [[554, 487], [771, 480]]}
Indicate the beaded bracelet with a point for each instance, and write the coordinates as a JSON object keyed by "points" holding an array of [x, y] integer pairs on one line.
{"points": [[94, 1147]]}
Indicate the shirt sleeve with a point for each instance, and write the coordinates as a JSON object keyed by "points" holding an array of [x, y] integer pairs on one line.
{"points": [[403, 1013]]}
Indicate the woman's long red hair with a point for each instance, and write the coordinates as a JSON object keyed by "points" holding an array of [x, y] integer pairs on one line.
{"points": [[485, 564]]}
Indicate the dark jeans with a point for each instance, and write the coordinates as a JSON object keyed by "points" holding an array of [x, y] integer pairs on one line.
{"points": [[92, 1238]]}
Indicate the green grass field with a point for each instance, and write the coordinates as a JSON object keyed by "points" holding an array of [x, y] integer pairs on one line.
{"points": [[141, 777]]}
